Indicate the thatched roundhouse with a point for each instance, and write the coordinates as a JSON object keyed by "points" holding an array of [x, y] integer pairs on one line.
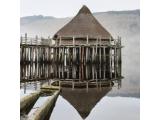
{"points": [[85, 41], [81, 28]]}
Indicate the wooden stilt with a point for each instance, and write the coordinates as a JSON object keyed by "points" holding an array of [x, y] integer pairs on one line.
{"points": [[110, 54], [115, 60], [100, 52]]}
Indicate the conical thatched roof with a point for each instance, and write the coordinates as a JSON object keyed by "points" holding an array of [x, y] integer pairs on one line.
{"points": [[82, 100], [82, 25]]}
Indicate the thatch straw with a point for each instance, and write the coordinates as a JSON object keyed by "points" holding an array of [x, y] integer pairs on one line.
{"points": [[82, 25]]}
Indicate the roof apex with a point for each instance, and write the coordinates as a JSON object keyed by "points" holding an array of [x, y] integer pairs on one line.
{"points": [[84, 10]]}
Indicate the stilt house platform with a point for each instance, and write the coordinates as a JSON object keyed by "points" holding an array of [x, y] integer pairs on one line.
{"points": [[83, 51]]}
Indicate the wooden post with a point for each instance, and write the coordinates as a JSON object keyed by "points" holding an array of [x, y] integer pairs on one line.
{"points": [[86, 67], [55, 55], [73, 51], [104, 71], [21, 40], [110, 54], [72, 71], [56, 42], [96, 55], [93, 56], [49, 54], [59, 55], [62, 71], [100, 52], [86, 53], [104, 55], [80, 58], [92, 72], [25, 58], [115, 59], [63, 55], [73, 41], [96, 46], [36, 42], [36, 50], [79, 66], [68, 60], [119, 57], [82, 55], [100, 71], [75, 72], [27, 53], [100, 55], [87, 40], [60, 41], [82, 65], [30, 54], [25, 38]]}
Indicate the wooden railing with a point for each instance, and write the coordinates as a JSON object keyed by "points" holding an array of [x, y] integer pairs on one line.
{"points": [[49, 42], [35, 41]]}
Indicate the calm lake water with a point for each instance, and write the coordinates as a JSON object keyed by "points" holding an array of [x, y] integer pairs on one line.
{"points": [[118, 102]]}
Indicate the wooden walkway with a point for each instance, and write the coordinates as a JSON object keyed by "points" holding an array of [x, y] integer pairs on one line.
{"points": [[42, 113]]}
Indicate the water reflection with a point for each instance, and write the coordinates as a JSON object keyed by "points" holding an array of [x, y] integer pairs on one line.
{"points": [[46, 73], [95, 104], [78, 104], [84, 101], [81, 72], [108, 108]]}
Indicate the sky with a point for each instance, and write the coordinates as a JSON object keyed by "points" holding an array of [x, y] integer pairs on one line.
{"points": [[67, 8]]}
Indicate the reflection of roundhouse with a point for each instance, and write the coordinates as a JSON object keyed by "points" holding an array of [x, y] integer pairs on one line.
{"points": [[82, 100], [85, 41]]}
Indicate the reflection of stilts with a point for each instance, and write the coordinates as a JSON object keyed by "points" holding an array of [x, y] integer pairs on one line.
{"points": [[24, 88], [96, 79], [119, 83]]}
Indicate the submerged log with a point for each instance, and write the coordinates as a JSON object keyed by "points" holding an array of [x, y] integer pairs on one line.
{"points": [[44, 112], [28, 101]]}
